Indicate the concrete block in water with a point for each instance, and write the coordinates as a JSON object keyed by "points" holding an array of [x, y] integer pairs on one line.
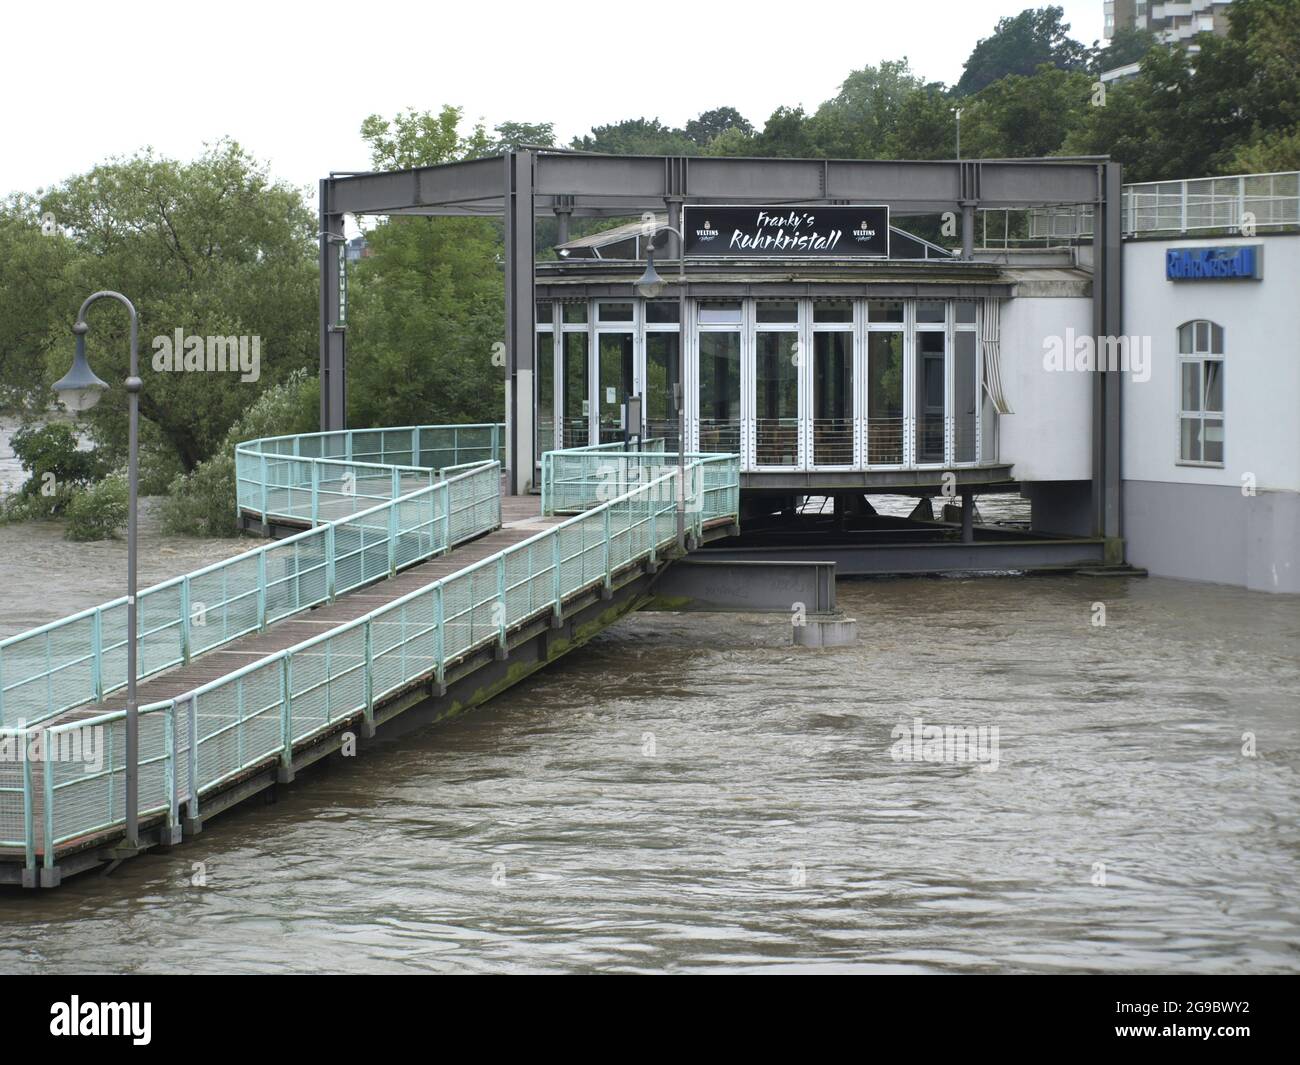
{"points": [[826, 632]]}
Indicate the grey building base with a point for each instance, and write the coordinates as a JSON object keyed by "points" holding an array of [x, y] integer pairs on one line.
{"points": [[826, 632], [1214, 533], [745, 586], [1062, 508]]}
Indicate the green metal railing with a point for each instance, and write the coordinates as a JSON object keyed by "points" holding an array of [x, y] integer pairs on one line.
{"points": [[578, 478], [256, 715], [356, 538]]}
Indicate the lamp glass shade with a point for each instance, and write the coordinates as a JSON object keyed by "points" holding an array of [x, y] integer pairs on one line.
{"points": [[650, 284], [79, 389]]}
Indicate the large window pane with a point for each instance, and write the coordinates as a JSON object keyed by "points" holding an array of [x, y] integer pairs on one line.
{"points": [[614, 384], [929, 397], [833, 399], [965, 396], [545, 383], [576, 402], [1191, 388], [884, 311], [779, 312], [776, 408], [884, 398], [661, 370], [720, 392], [1190, 446], [719, 311], [1212, 438]]}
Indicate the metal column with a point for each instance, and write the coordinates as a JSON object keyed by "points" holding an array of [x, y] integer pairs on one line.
{"points": [[333, 365], [520, 326], [1108, 321]]}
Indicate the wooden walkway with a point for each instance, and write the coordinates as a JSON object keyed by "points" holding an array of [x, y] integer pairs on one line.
{"points": [[520, 516]]}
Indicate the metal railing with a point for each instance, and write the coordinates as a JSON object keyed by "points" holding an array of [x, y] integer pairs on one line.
{"points": [[357, 536], [256, 715], [1234, 204], [579, 478]]}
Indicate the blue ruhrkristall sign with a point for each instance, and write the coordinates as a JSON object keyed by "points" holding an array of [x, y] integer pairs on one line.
{"points": [[1215, 264]]}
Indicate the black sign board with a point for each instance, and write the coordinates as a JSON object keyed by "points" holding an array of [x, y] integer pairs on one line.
{"points": [[786, 231]]}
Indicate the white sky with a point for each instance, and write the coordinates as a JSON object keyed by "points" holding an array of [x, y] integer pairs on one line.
{"points": [[82, 81]]}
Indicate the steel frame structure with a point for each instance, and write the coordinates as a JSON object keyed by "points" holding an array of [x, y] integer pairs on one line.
{"points": [[521, 185]]}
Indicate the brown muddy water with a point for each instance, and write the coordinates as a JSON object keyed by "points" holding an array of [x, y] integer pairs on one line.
{"points": [[692, 793]]}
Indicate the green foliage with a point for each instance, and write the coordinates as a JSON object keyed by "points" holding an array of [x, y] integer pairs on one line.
{"points": [[213, 247], [36, 290], [1025, 116], [710, 125], [427, 308], [637, 136], [858, 122], [51, 452], [1020, 45], [1232, 105], [97, 512], [202, 501], [1129, 45]]}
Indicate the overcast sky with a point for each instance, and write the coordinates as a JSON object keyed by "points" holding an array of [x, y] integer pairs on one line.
{"points": [[84, 81]]}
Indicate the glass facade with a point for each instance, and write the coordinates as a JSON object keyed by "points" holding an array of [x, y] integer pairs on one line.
{"points": [[786, 383]]}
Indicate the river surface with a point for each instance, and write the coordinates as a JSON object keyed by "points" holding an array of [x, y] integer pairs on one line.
{"points": [[691, 793]]}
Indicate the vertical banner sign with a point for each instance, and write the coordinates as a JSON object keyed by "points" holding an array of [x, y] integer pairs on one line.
{"points": [[343, 284], [855, 231]]}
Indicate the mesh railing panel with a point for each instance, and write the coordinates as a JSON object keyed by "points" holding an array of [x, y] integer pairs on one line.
{"points": [[243, 720]]}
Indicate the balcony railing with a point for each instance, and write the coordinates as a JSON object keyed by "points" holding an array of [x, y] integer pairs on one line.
{"points": [[1262, 202]]}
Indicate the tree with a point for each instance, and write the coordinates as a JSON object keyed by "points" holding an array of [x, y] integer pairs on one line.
{"points": [[636, 136], [786, 133], [1128, 45], [706, 128], [860, 118], [427, 305], [1020, 45], [1025, 116], [1230, 107], [36, 290], [213, 248]]}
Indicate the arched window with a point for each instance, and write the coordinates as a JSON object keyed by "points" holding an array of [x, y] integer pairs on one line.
{"points": [[1200, 393]]}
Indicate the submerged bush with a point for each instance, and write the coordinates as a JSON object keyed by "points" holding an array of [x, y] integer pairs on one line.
{"points": [[97, 512], [56, 468]]}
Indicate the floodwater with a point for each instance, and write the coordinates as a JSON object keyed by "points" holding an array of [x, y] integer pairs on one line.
{"points": [[44, 577], [691, 792]]}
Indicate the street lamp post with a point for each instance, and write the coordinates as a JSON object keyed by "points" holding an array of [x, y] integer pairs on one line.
{"points": [[80, 390], [649, 285]]}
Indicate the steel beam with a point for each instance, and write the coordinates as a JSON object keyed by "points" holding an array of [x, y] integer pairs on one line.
{"points": [[333, 333], [599, 185], [1108, 321], [520, 327]]}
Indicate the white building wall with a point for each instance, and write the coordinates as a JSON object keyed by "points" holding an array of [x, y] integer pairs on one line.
{"points": [[1195, 522], [1261, 335], [1049, 437]]}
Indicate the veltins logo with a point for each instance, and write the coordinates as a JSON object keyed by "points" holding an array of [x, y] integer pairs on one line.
{"points": [[864, 232], [706, 233]]}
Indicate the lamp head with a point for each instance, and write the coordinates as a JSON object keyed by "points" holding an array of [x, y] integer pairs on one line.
{"points": [[79, 389], [650, 284]]}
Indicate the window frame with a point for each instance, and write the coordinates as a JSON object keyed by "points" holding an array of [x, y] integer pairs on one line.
{"points": [[1201, 359]]}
